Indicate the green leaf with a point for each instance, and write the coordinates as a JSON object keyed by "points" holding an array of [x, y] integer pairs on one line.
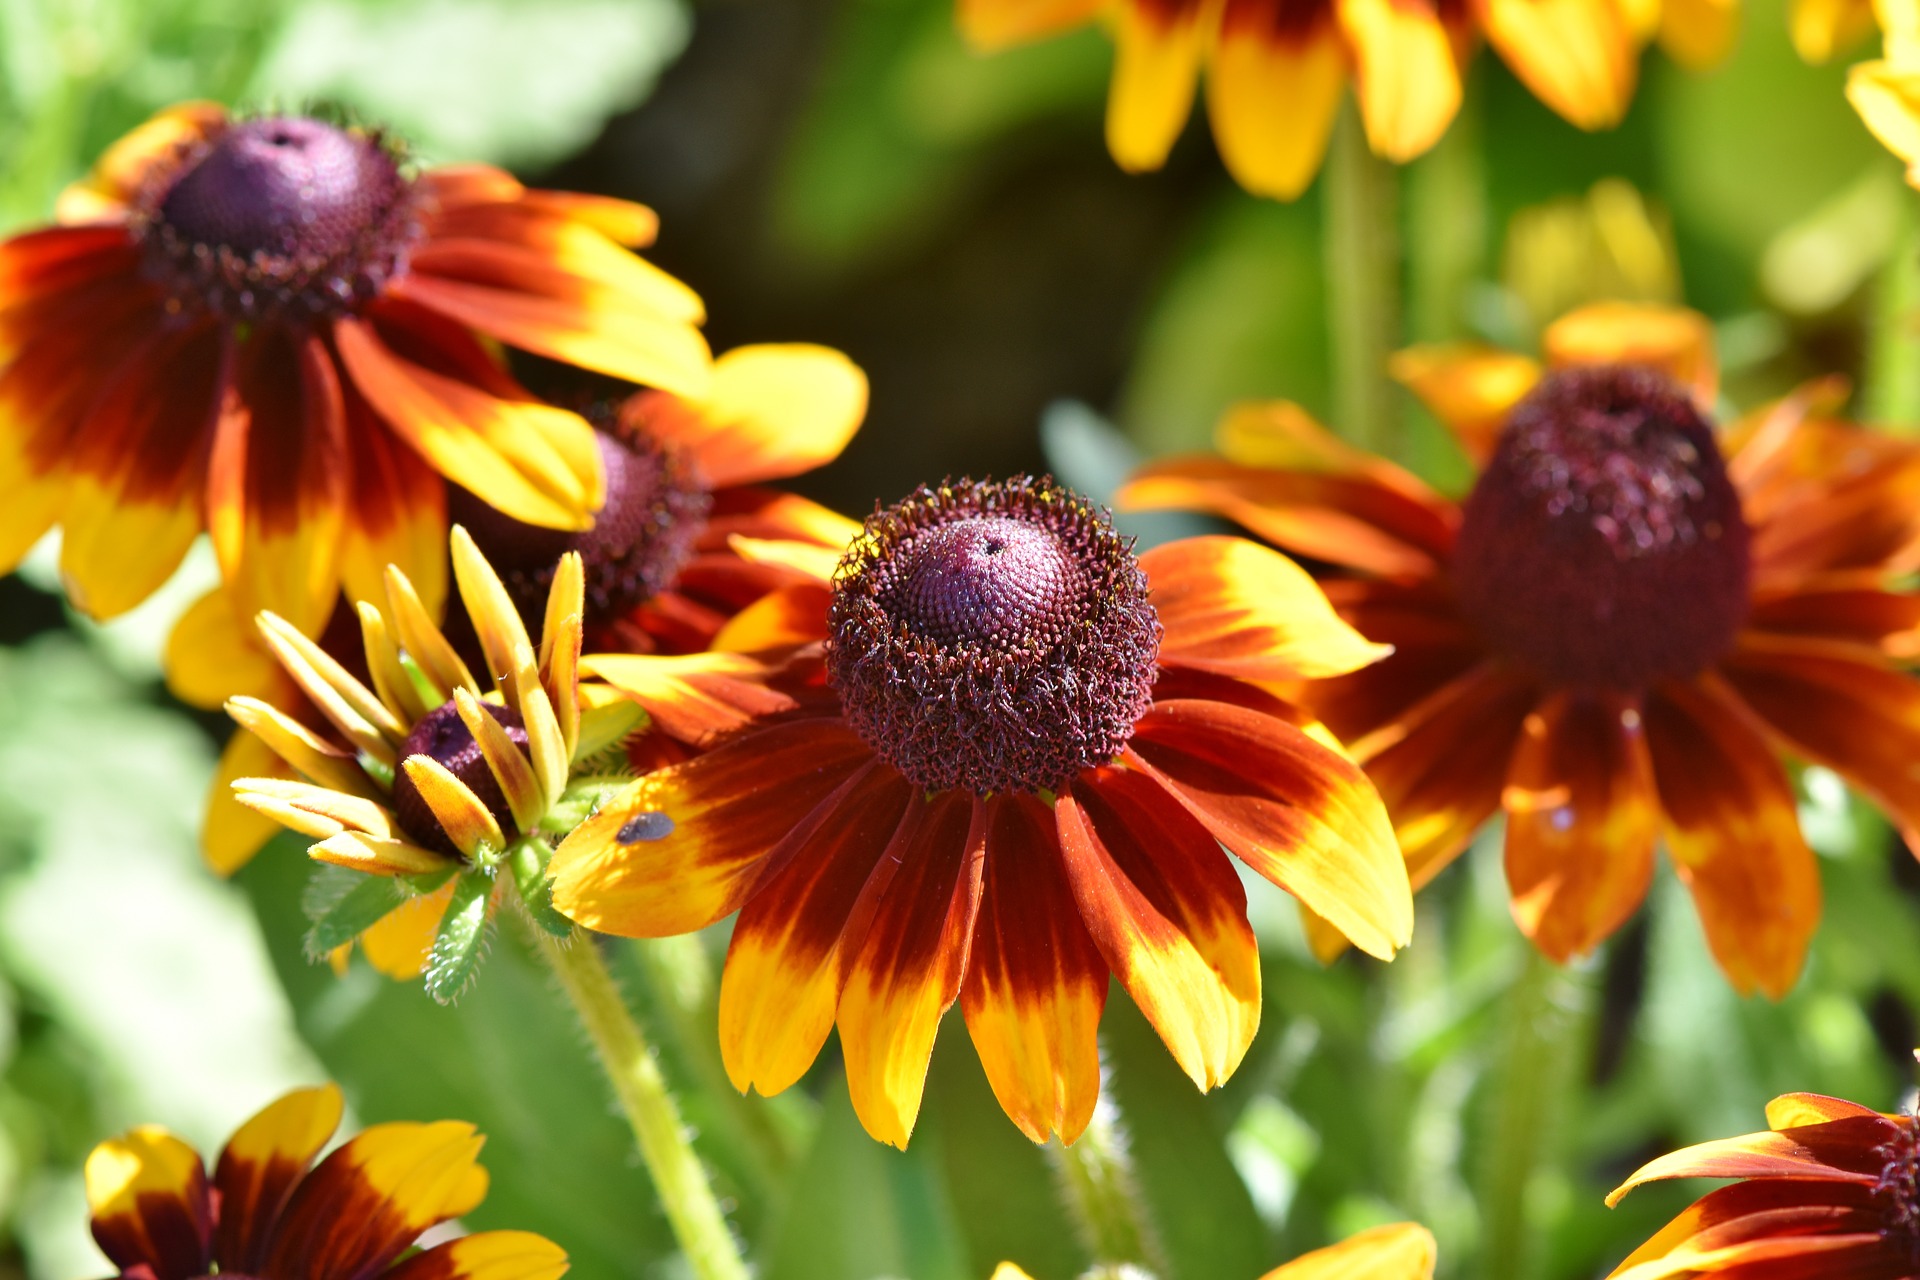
{"points": [[462, 941], [351, 913], [529, 869]]}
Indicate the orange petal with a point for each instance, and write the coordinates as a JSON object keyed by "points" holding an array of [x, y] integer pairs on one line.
{"points": [[134, 510], [1348, 520], [1280, 435], [1792, 1110], [621, 221], [1843, 609], [1581, 822], [696, 834], [1734, 835], [1375, 706], [1576, 55], [1397, 1251], [392, 1182], [1442, 778], [277, 480], [486, 1255], [773, 412], [1830, 498], [1273, 86], [1169, 917], [517, 456], [914, 920], [1758, 1155], [259, 1166], [1408, 80], [1301, 815], [1674, 340], [1036, 983], [790, 616], [1240, 609], [1469, 387], [559, 260], [396, 514], [695, 696], [625, 342], [990, 25], [1831, 705], [789, 955], [1156, 64], [147, 1191]]}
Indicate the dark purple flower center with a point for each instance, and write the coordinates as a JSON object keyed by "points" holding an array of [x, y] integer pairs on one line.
{"points": [[1604, 546], [1899, 1187], [992, 637], [444, 736], [639, 542], [280, 215]]}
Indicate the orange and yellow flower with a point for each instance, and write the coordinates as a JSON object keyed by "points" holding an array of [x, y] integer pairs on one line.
{"points": [[1619, 634], [1007, 775], [1831, 1190], [443, 789], [1397, 1251], [268, 1211], [1275, 70], [274, 330], [688, 536]]}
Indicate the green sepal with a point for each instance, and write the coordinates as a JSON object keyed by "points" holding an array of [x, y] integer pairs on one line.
{"points": [[462, 941], [349, 914], [528, 862], [604, 727], [580, 801]]}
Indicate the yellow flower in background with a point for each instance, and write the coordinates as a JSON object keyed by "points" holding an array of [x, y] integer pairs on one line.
{"points": [[1398, 1251], [274, 330], [269, 1212], [1275, 70], [1620, 632]]}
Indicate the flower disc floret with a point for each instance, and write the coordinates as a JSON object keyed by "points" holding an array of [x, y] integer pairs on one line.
{"points": [[655, 510], [1604, 546], [281, 215], [992, 637]]}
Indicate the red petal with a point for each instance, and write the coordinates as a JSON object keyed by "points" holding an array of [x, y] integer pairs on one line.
{"points": [[259, 1167]]}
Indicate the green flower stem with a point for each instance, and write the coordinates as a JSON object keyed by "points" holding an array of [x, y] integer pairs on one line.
{"points": [[1361, 242], [678, 1176], [1096, 1178], [1546, 1036], [1447, 226], [1892, 393]]}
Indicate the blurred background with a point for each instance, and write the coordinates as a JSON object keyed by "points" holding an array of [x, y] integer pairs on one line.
{"points": [[847, 172]]}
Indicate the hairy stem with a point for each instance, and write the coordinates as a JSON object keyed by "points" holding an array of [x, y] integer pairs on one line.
{"points": [[1361, 243], [1096, 1177]]}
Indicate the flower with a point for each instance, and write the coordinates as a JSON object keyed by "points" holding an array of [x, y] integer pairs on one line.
{"points": [[1886, 93], [1620, 631], [1010, 776], [1397, 1251], [687, 537], [439, 790], [273, 328], [270, 1212], [1275, 70], [1831, 1189]]}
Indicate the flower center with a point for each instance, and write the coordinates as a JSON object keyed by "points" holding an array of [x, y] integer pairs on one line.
{"points": [[992, 637], [1899, 1187], [444, 736], [639, 542], [281, 215], [1604, 546]]}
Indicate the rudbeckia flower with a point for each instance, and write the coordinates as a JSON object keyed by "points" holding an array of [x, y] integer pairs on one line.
{"points": [[440, 788], [1832, 1189], [1399, 1251], [1010, 778], [687, 537], [269, 1211], [1275, 71], [277, 330], [1619, 633]]}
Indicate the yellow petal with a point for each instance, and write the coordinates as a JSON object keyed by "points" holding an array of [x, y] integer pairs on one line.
{"points": [[1156, 65], [1272, 103]]}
